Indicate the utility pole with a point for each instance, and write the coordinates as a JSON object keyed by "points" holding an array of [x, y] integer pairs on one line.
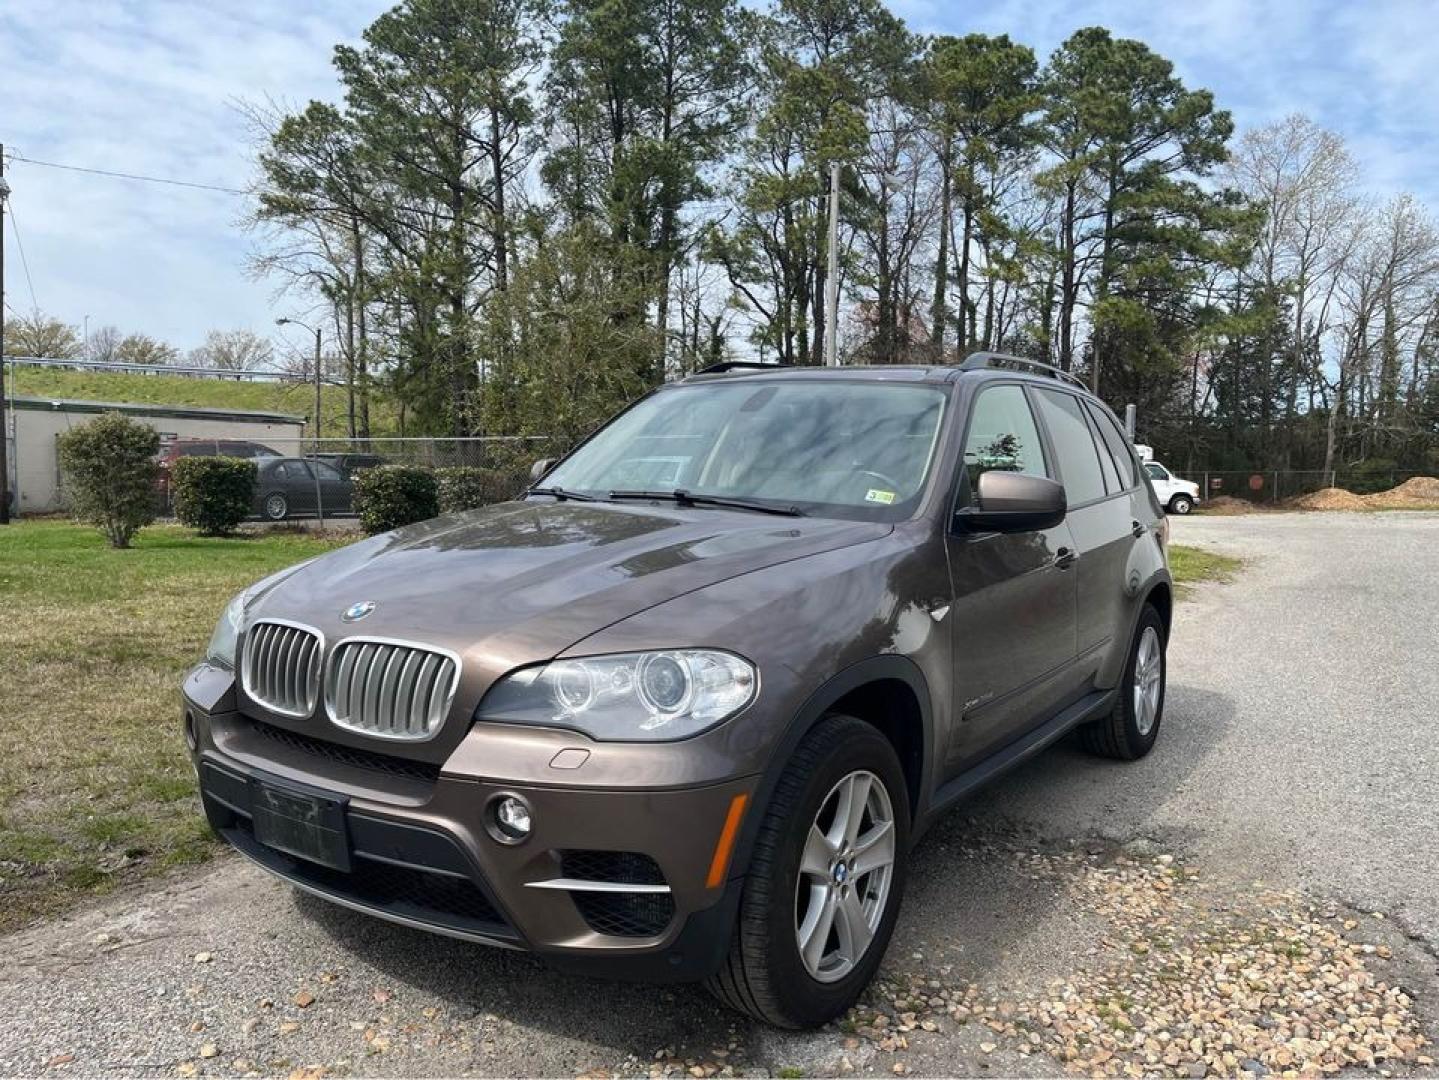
{"points": [[4, 412], [315, 462], [831, 280]]}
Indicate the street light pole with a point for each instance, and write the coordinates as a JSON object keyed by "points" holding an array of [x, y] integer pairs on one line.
{"points": [[314, 466], [4, 413]]}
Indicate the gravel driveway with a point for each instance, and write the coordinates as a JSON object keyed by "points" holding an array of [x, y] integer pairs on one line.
{"points": [[1298, 776]]}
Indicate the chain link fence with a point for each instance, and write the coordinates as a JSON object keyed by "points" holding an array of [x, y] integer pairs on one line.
{"points": [[1280, 485], [299, 479]]}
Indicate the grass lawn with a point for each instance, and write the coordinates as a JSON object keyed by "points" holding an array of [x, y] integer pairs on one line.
{"points": [[95, 785], [1191, 564], [287, 397]]}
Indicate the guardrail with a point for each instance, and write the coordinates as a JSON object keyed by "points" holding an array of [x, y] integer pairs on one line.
{"points": [[184, 371]]}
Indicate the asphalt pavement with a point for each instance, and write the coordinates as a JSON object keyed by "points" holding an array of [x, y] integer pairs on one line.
{"points": [[1298, 753]]}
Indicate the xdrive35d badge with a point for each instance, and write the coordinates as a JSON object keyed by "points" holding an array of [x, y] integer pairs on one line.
{"points": [[680, 711]]}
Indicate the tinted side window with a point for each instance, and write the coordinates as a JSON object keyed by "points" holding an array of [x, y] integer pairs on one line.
{"points": [[1073, 446], [1003, 435], [1116, 443], [327, 472], [281, 471]]}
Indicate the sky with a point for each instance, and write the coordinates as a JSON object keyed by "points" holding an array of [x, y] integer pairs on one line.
{"points": [[157, 87]]}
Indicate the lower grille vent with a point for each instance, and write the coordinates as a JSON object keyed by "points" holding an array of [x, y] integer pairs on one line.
{"points": [[614, 911], [626, 914], [349, 755]]}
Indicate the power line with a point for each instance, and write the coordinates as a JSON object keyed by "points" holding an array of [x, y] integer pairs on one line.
{"points": [[15, 228], [128, 176]]}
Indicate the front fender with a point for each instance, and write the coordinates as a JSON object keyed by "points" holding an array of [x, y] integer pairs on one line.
{"points": [[889, 667]]}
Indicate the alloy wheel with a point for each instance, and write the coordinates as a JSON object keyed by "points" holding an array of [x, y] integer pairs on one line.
{"points": [[846, 871], [1148, 680]]}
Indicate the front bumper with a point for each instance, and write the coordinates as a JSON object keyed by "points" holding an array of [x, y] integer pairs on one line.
{"points": [[420, 853]]}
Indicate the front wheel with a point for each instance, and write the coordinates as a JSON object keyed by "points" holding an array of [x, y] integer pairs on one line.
{"points": [[1181, 504], [1131, 728], [277, 507], [824, 883]]}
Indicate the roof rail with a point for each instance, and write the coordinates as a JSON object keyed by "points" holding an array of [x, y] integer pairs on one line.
{"points": [[977, 360], [739, 365]]}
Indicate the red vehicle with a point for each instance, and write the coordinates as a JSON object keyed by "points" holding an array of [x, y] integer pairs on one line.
{"points": [[178, 448]]}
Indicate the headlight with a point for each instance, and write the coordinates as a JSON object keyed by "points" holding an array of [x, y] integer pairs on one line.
{"points": [[627, 697], [221, 649]]}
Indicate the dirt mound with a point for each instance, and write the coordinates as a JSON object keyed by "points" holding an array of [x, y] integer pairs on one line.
{"points": [[1331, 499], [1418, 492], [1228, 506]]}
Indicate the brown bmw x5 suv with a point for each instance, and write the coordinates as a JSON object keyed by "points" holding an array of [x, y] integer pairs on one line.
{"points": [[680, 711]]}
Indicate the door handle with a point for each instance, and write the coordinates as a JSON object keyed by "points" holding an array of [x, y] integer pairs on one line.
{"points": [[1137, 530], [1065, 557]]}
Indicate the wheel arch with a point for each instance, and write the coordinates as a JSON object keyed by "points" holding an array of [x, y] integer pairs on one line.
{"points": [[1161, 596], [889, 692]]}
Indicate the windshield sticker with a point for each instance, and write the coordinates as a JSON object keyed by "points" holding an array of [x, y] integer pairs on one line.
{"points": [[877, 496]]}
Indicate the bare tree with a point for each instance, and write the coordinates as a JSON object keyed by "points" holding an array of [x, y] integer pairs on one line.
{"points": [[41, 336], [144, 349], [102, 345], [233, 350], [1307, 184]]}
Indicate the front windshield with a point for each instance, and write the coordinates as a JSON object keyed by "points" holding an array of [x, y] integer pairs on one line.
{"points": [[829, 447]]}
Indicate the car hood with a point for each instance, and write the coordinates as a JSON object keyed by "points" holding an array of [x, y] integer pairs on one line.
{"points": [[518, 583]]}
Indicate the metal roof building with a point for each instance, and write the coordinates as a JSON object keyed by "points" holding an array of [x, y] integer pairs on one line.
{"points": [[33, 424]]}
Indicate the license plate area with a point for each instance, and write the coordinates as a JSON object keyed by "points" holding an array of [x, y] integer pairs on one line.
{"points": [[300, 822]]}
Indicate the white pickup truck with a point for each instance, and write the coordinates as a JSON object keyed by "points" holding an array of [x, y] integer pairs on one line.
{"points": [[1175, 495]]}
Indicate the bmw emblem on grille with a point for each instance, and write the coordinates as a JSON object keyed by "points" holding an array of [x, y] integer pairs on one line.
{"points": [[356, 612]]}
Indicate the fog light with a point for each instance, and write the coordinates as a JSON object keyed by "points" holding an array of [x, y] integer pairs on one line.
{"points": [[510, 820]]}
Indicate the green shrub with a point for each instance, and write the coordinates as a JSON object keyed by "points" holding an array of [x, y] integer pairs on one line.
{"points": [[1369, 476], [213, 494], [110, 475], [466, 487], [389, 496]]}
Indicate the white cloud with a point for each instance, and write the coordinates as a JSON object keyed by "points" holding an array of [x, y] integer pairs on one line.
{"points": [[149, 87]]}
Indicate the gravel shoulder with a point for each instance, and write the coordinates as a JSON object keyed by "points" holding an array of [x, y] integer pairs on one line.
{"points": [[1078, 916]]}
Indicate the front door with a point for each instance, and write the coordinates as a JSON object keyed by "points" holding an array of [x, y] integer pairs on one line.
{"points": [[1014, 595]]}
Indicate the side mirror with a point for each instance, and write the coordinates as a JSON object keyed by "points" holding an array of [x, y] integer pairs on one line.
{"points": [[539, 468], [1014, 502]]}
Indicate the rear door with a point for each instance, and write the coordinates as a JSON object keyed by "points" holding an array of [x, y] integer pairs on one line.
{"points": [[1100, 520], [299, 484], [334, 488], [1014, 594]]}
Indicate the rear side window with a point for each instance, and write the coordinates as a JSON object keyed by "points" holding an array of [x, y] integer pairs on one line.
{"points": [[1002, 435], [1078, 457], [1117, 445]]}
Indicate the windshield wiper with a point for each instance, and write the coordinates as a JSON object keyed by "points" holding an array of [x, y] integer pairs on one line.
{"points": [[690, 498], [562, 494]]}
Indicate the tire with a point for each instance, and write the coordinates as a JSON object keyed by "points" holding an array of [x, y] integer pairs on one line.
{"points": [[765, 974], [275, 507], [1181, 504], [1123, 734]]}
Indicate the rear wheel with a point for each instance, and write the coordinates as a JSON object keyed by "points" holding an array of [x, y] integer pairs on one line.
{"points": [[1131, 728], [824, 883], [277, 507], [1181, 504]]}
